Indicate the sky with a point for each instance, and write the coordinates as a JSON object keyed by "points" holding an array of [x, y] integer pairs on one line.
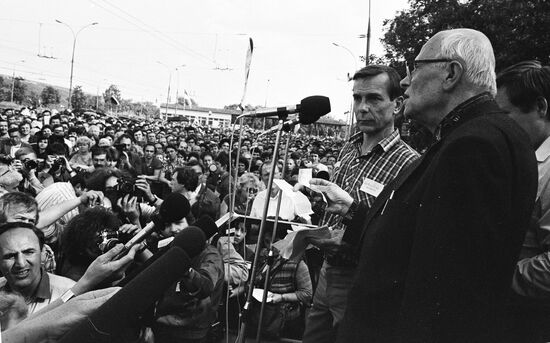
{"points": [[197, 46]]}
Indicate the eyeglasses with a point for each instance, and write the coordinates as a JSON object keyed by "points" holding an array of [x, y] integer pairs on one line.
{"points": [[414, 64]]}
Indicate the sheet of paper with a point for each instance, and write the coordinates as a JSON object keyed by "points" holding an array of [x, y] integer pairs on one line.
{"points": [[284, 186], [304, 176], [258, 294], [295, 243]]}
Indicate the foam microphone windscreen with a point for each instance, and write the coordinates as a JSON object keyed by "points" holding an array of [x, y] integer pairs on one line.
{"points": [[192, 240], [313, 107], [123, 309], [174, 208], [207, 225]]}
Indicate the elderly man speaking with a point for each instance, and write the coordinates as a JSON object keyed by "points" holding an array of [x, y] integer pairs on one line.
{"points": [[439, 245]]}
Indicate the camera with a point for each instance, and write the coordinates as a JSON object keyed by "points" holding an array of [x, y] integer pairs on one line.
{"points": [[31, 164], [106, 240], [128, 186], [109, 238], [58, 163]]}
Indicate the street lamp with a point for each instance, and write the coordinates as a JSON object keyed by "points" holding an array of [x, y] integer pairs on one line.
{"points": [[169, 82], [72, 58], [351, 116], [367, 55], [13, 81], [351, 54]]}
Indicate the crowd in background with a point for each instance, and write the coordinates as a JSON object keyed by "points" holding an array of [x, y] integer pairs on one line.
{"points": [[96, 180]]}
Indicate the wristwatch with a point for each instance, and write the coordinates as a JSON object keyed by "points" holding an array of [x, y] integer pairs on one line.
{"points": [[351, 212], [154, 201]]}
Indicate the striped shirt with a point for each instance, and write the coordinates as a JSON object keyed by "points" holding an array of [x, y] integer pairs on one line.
{"points": [[381, 165], [53, 195]]}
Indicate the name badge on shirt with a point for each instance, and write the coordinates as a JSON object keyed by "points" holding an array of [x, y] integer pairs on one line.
{"points": [[371, 187]]}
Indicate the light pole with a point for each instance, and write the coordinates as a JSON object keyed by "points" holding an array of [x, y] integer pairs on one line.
{"points": [[178, 88], [169, 82], [13, 81], [351, 116], [367, 57], [72, 58], [351, 54]]}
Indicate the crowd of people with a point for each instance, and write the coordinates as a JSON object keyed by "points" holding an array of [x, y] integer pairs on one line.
{"points": [[444, 242]]}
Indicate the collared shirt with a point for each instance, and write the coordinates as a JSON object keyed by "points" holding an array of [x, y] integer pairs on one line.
{"points": [[379, 166], [531, 276], [50, 288]]}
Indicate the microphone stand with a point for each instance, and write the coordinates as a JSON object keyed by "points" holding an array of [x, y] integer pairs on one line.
{"points": [[246, 308], [231, 198], [270, 256]]}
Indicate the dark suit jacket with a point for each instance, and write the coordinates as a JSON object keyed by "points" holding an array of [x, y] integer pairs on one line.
{"points": [[437, 258], [5, 146]]}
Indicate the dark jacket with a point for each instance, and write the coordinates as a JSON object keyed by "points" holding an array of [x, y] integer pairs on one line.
{"points": [[5, 146], [439, 246]]}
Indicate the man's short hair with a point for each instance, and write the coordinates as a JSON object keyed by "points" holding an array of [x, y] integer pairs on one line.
{"points": [[524, 82], [21, 202], [475, 52], [22, 152], [187, 178], [394, 88], [96, 151], [57, 148], [16, 225]]}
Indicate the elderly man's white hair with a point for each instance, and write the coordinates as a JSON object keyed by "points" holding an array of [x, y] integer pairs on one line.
{"points": [[476, 51]]}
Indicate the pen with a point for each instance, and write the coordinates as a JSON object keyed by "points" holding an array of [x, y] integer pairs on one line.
{"points": [[387, 201]]}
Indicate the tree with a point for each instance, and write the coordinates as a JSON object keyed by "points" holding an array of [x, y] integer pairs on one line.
{"points": [[19, 90], [111, 91], [49, 95], [78, 98], [34, 99], [517, 29]]}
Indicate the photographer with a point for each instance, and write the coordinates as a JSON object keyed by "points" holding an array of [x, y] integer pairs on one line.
{"points": [[59, 167], [123, 195], [30, 167], [88, 235], [128, 160]]}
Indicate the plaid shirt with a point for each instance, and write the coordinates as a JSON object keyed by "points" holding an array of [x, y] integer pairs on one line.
{"points": [[381, 164]]}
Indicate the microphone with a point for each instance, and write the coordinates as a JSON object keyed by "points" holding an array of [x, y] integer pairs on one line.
{"points": [[207, 225], [192, 240], [174, 208], [311, 104], [155, 224], [123, 310], [311, 114]]}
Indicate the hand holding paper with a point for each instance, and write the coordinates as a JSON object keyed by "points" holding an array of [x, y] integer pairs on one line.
{"points": [[338, 200]]}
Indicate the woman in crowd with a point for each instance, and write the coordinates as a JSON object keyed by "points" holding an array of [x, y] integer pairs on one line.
{"points": [[82, 159], [248, 185]]}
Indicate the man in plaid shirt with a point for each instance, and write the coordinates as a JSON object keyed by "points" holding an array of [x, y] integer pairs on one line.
{"points": [[369, 161]]}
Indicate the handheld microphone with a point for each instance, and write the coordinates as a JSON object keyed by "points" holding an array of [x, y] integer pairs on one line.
{"points": [[123, 310], [309, 115], [192, 240], [311, 104], [174, 207], [155, 224]]}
